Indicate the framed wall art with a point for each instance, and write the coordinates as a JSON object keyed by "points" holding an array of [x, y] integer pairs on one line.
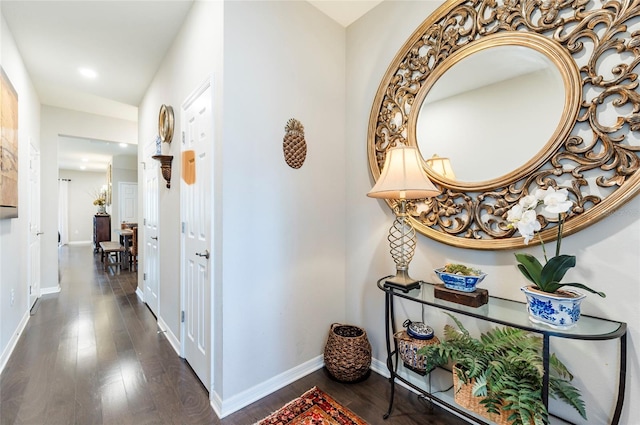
{"points": [[8, 148], [109, 183]]}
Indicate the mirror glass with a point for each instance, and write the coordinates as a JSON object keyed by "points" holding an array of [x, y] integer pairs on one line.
{"points": [[487, 99]]}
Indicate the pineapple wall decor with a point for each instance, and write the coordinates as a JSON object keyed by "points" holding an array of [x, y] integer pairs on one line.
{"points": [[294, 145]]}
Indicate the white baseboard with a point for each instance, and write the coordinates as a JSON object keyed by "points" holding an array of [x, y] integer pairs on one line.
{"points": [[226, 407], [50, 290], [173, 341], [4, 358], [380, 368], [80, 243], [216, 402], [140, 294]]}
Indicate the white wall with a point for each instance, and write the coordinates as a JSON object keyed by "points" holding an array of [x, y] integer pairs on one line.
{"points": [[607, 251], [194, 56], [82, 187], [14, 233], [278, 263], [284, 229]]}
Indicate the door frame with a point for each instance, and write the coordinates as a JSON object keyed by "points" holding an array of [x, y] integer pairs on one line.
{"points": [[120, 203], [208, 83], [149, 165], [33, 293]]}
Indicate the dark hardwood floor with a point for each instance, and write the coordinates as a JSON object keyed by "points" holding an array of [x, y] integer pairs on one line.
{"points": [[92, 355]]}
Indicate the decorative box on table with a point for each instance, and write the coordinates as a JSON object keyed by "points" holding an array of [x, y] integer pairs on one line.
{"points": [[408, 349]]}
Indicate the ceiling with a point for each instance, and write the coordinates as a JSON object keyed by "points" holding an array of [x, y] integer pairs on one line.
{"points": [[345, 12], [124, 42]]}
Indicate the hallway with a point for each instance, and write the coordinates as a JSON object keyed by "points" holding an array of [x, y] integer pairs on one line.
{"points": [[92, 355]]}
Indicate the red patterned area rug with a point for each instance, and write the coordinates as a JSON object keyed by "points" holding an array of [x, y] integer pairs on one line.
{"points": [[314, 407]]}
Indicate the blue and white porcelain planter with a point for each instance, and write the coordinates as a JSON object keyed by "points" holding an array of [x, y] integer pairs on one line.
{"points": [[459, 282], [556, 311]]}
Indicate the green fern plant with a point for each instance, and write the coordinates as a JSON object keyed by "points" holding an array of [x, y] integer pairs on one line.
{"points": [[506, 368]]}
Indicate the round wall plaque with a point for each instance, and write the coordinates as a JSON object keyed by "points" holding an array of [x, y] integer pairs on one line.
{"points": [[165, 123]]}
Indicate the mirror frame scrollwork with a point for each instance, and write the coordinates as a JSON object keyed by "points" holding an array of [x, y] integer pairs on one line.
{"points": [[595, 161]]}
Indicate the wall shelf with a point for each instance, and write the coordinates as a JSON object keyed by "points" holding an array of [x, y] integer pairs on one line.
{"points": [[165, 166]]}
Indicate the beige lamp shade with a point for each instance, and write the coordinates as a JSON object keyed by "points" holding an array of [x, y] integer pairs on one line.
{"points": [[441, 166], [403, 176]]}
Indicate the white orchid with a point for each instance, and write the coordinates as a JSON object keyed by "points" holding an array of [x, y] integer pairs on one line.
{"points": [[529, 202], [528, 225], [523, 216], [555, 201], [515, 214]]}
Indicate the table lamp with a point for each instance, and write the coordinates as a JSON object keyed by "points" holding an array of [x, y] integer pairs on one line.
{"points": [[403, 178], [441, 166]]}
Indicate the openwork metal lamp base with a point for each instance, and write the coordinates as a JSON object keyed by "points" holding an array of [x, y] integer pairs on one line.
{"points": [[402, 240], [402, 281]]}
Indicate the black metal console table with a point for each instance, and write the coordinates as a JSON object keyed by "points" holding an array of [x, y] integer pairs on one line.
{"points": [[503, 312]]}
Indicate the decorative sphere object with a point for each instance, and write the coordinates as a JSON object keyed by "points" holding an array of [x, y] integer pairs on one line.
{"points": [[459, 282]]}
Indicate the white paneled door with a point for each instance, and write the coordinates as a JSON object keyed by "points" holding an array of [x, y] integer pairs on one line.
{"points": [[150, 259], [34, 226], [128, 202], [196, 193]]}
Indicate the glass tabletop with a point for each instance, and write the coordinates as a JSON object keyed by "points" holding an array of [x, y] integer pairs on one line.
{"points": [[514, 313]]}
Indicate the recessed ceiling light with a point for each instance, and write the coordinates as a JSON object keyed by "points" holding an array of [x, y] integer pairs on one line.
{"points": [[85, 159], [82, 167], [123, 145], [88, 73]]}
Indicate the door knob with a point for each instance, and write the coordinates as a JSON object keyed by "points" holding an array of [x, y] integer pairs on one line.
{"points": [[204, 254], [155, 238], [39, 233]]}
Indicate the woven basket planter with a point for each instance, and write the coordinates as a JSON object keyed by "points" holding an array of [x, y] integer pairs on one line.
{"points": [[463, 395], [408, 348], [347, 355]]}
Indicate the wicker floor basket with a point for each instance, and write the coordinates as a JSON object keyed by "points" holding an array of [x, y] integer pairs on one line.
{"points": [[463, 395], [347, 355]]}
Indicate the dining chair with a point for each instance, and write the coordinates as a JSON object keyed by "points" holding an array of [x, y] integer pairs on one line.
{"points": [[133, 249]]}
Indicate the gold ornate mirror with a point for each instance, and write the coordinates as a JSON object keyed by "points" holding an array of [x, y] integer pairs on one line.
{"points": [[518, 95]]}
